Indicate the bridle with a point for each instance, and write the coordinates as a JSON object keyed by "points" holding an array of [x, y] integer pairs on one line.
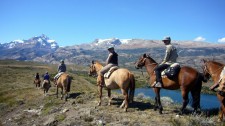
{"points": [[151, 64]]}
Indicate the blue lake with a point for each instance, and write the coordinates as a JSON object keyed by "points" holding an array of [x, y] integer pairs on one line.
{"points": [[207, 101]]}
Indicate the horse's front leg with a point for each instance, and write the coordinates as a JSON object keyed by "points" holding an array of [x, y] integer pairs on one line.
{"points": [[157, 100], [109, 96], [100, 94]]}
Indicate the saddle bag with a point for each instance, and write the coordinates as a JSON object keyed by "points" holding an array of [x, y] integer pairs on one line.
{"points": [[172, 71]]}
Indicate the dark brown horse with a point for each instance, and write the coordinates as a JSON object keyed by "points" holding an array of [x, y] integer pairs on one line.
{"points": [[188, 80], [64, 83], [213, 69], [120, 79], [37, 82], [46, 85]]}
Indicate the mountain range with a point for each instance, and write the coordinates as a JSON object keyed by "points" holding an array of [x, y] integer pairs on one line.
{"points": [[42, 49]]}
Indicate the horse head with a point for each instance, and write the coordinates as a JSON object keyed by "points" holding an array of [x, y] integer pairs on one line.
{"points": [[206, 72], [141, 61], [92, 69]]}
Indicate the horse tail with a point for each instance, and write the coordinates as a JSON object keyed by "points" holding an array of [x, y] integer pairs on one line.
{"points": [[132, 88], [196, 92], [68, 83]]}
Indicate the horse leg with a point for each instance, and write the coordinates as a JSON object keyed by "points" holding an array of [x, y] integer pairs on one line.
{"points": [[125, 101], [109, 96], [100, 95], [185, 101], [220, 114], [158, 101], [61, 93], [57, 89]]}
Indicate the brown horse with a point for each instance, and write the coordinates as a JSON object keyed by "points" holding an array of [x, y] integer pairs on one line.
{"points": [[46, 85], [120, 78], [213, 69], [37, 82], [63, 82], [188, 80]]}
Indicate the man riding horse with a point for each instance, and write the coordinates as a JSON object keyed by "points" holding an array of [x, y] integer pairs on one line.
{"points": [[170, 58], [61, 70], [111, 61]]}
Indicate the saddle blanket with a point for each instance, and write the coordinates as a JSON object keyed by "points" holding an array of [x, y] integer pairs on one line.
{"points": [[111, 70]]}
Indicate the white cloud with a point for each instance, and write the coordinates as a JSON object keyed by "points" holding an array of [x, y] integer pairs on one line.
{"points": [[222, 40], [199, 38]]}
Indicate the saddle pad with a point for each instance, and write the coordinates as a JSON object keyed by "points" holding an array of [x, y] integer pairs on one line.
{"points": [[107, 74]]}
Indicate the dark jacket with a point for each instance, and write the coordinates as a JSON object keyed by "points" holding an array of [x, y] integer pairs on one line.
{"points": [[62, 68], [113, 59]]}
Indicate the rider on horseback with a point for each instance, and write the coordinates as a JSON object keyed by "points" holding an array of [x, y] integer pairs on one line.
{"points": [[46, 78], [111, 61], [37, 77], [170, 58], [61, 70]]}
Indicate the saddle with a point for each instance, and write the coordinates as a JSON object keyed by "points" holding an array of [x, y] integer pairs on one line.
{"points": [[111, 70], [171, 71]]}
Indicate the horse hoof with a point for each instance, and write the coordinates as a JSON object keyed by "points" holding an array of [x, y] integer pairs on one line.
{"points": [[160, 112], [125, 110], [99, 104], [155, 108]]}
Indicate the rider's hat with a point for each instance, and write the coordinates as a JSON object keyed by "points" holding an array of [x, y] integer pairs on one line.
{"points": [[167, 38], [61, 61], [46, 72], [110, 47]]}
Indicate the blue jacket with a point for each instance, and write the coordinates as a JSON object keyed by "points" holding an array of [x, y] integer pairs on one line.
{"points": [[46, 77]]}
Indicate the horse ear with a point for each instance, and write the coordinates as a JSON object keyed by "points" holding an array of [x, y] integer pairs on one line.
{"points": [[144, 55], [204, 60], [93, 62]]}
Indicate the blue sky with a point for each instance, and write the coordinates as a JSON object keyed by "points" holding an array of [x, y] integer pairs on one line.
{"points": [[72, 22]]}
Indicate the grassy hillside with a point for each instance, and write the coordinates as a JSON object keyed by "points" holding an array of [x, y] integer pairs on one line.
{"points": [[21, 103]]}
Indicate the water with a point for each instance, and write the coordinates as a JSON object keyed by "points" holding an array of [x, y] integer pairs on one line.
{"points": [[207, 101]]}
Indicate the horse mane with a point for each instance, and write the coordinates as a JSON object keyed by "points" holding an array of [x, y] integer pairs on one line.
{"points": [[148, 56], [216, 63]]}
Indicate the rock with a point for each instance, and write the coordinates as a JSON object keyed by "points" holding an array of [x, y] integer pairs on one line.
{"points": [[65, 110], [50, 122]]}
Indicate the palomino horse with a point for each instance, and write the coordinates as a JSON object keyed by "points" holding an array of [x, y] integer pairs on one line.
{"points": [[63, 82], [46, 85], [187, 80], [37, 82], [213, 69], [120, 78]]}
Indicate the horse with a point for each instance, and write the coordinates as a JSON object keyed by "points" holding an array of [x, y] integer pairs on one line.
{"points": [[120, 79], [46, 85], [187, 80], [37, 82], [213, 69], [63, 82]]}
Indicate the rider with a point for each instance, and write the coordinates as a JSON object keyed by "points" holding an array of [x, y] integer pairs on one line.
{"points": [[111, 61], [37, 77], [170, 58], [46, 78], [61, 70]]}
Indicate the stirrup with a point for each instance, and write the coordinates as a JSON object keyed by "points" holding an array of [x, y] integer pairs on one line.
{"points": [[157, 84]]}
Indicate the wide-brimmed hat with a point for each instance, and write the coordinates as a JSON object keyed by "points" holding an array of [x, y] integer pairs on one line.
{"points": [[61, 61], [167, 38]]}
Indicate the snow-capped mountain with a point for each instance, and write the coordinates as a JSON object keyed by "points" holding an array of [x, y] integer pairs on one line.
{"points": [[36, 42]]}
